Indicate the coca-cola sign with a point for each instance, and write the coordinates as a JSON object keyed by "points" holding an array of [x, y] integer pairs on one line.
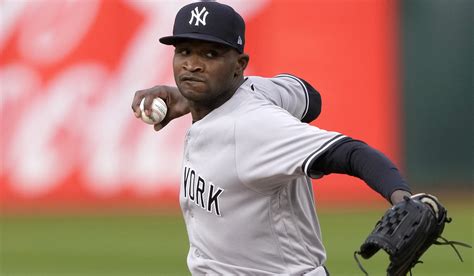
{"points": [[69, 69]]}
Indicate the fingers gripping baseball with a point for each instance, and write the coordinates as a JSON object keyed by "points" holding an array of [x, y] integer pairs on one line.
{"points": [[147, 105], [157, 114]]}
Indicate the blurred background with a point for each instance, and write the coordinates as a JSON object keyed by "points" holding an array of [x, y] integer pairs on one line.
{"points": [[87, 189]]}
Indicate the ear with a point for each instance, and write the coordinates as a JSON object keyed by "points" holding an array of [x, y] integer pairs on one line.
{"points": [[242, 62]]}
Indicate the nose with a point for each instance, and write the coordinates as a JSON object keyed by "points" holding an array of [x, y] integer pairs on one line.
{"points": [[193, 64]]}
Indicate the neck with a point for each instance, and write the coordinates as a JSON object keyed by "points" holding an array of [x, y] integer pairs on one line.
{"points": [[200, 109]]}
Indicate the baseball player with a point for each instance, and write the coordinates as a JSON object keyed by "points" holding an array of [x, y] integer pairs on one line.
{"points": [[249, 156]]}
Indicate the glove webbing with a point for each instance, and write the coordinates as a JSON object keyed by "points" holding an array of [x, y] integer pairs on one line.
{"points": [[445, 242]]}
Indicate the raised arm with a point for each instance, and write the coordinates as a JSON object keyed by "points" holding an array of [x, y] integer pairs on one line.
{"points": [[291, 93]]}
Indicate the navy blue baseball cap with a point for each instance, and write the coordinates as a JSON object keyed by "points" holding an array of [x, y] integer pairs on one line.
{"points": [[208, 21]]}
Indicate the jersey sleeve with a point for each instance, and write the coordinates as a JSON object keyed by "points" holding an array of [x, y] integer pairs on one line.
{"points": [[291, 93], [273, 148]]}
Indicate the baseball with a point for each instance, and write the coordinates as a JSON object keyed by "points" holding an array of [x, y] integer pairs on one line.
{"points": [[158, 112]]}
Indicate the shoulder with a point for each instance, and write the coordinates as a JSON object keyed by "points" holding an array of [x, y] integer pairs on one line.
{"points": [[281, 81], [262, 121]]}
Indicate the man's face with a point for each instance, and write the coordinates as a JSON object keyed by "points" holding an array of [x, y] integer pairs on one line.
{"points": [[205, 71]]}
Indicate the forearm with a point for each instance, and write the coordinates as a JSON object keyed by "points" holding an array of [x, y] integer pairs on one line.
{"points": [[360, 160]]}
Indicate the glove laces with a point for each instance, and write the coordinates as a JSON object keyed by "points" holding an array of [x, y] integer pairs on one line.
{"points": [[359, 264], [452, 243], [443, 242]]}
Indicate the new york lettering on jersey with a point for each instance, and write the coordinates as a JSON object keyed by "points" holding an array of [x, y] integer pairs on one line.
{"points": [[203, 193]]}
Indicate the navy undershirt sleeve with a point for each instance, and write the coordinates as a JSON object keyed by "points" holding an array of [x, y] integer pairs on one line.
{"points": [[314, 103], [357, 159]]}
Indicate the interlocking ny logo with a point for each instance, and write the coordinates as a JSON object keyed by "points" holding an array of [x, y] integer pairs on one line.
{"points": [[200, 16]]}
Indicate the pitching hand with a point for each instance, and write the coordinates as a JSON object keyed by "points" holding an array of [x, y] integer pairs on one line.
{"points": [[176, 103]]}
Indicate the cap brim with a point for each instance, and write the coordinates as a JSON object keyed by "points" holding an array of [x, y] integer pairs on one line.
{"points": [[172, 40]]}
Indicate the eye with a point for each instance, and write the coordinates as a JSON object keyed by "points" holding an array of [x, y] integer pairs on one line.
{"points": [[211, 54], [181, 51]]}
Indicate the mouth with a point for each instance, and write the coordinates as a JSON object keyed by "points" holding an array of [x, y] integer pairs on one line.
{"points": [[188, 78]]}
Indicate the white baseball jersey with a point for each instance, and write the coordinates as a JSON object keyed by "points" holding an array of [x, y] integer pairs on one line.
{"points": [[245, 193]]}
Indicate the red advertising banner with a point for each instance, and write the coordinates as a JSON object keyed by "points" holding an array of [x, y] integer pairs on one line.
{"points": [[69, 69]]}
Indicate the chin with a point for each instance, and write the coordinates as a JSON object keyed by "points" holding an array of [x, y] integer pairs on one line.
{"points": [[194, 95]]}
